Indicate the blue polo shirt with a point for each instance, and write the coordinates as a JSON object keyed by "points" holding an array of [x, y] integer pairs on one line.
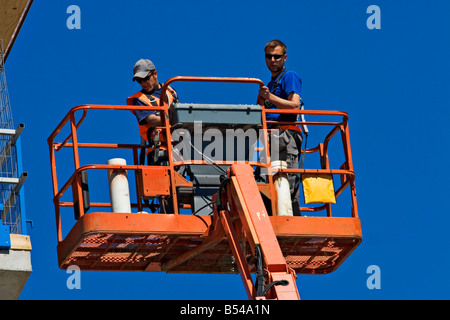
{"points": [[289, 82]]}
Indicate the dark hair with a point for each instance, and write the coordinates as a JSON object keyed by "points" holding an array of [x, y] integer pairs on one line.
{"points": [[275, 43]]}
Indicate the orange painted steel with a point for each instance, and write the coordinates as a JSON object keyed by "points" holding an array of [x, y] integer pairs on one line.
{"points": [[223, 242], [155, 181], [246, 203]]}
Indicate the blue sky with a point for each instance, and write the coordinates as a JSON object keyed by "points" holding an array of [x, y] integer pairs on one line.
{"points": [[393, 82]]}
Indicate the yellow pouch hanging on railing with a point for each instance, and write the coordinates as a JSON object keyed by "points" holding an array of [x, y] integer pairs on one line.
{"points": [[318, 188]]}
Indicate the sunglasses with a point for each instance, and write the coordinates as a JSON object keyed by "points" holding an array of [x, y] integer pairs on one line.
{"points": [[276, 56], [142, 80]]}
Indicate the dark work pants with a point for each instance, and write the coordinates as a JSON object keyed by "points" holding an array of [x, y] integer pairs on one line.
{"points": [[288, 144]]}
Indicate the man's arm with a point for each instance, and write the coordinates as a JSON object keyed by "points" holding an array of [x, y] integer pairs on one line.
{"points": [[292, 102], [153, 120]]}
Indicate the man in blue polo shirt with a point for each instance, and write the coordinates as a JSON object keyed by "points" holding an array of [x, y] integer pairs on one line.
{"points": [[283, 92]]}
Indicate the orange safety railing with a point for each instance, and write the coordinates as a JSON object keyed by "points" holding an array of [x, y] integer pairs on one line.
{"points": [[345, 171]]}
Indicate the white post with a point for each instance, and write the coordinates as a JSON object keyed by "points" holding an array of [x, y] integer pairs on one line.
{"points": [[118, 187], [284, 203]]}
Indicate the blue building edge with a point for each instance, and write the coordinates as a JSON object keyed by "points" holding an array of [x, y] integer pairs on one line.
{"points": [[5, 236]]}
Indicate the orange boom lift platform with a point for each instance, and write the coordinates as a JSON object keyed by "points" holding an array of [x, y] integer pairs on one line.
{"points": [[237, 229]]}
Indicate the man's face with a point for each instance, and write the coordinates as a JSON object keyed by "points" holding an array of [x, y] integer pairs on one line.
{"points": [[275, 59], [150, 82]]}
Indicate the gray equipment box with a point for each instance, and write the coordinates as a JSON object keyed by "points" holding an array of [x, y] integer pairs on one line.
{"points": [[222, 116], [245, 119]]}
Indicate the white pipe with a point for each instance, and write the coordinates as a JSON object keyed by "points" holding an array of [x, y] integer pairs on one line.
{"points": [[118, 187], [284, 203]]}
